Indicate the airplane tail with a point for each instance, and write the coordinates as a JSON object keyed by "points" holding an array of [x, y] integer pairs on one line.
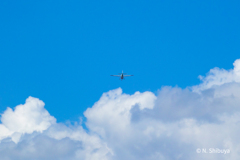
{"points": [[122, 73]]}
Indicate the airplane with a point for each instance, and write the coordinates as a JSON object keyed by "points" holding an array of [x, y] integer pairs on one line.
{"points": [[122, 75]]}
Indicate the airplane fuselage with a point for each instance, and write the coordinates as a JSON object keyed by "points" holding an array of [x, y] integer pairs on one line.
{"points": [[122, 77]]}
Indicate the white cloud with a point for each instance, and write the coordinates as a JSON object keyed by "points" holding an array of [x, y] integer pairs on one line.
{"points": [[142, 126], [112, 111], [217, 77], [25, 118], [180, 122]]}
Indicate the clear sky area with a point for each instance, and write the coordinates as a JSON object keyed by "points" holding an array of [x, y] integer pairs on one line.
{"points": [[62, 53]]}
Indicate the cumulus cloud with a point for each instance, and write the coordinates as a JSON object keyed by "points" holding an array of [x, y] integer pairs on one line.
{"points": [[112, 111], [143, 126], [25, 118], [217, 77]]}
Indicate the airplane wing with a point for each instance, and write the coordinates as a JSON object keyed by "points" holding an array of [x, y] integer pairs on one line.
{"points": [[127, 75], [116, 75]]}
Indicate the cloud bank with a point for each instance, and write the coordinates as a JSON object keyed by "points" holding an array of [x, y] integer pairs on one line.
{"points": [[174, 124]]}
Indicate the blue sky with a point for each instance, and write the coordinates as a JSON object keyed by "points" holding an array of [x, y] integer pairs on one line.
{"points": [[64, 52]]}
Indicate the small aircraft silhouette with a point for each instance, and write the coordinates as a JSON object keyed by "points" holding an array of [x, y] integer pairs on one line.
{"points": [[122, 75]]}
